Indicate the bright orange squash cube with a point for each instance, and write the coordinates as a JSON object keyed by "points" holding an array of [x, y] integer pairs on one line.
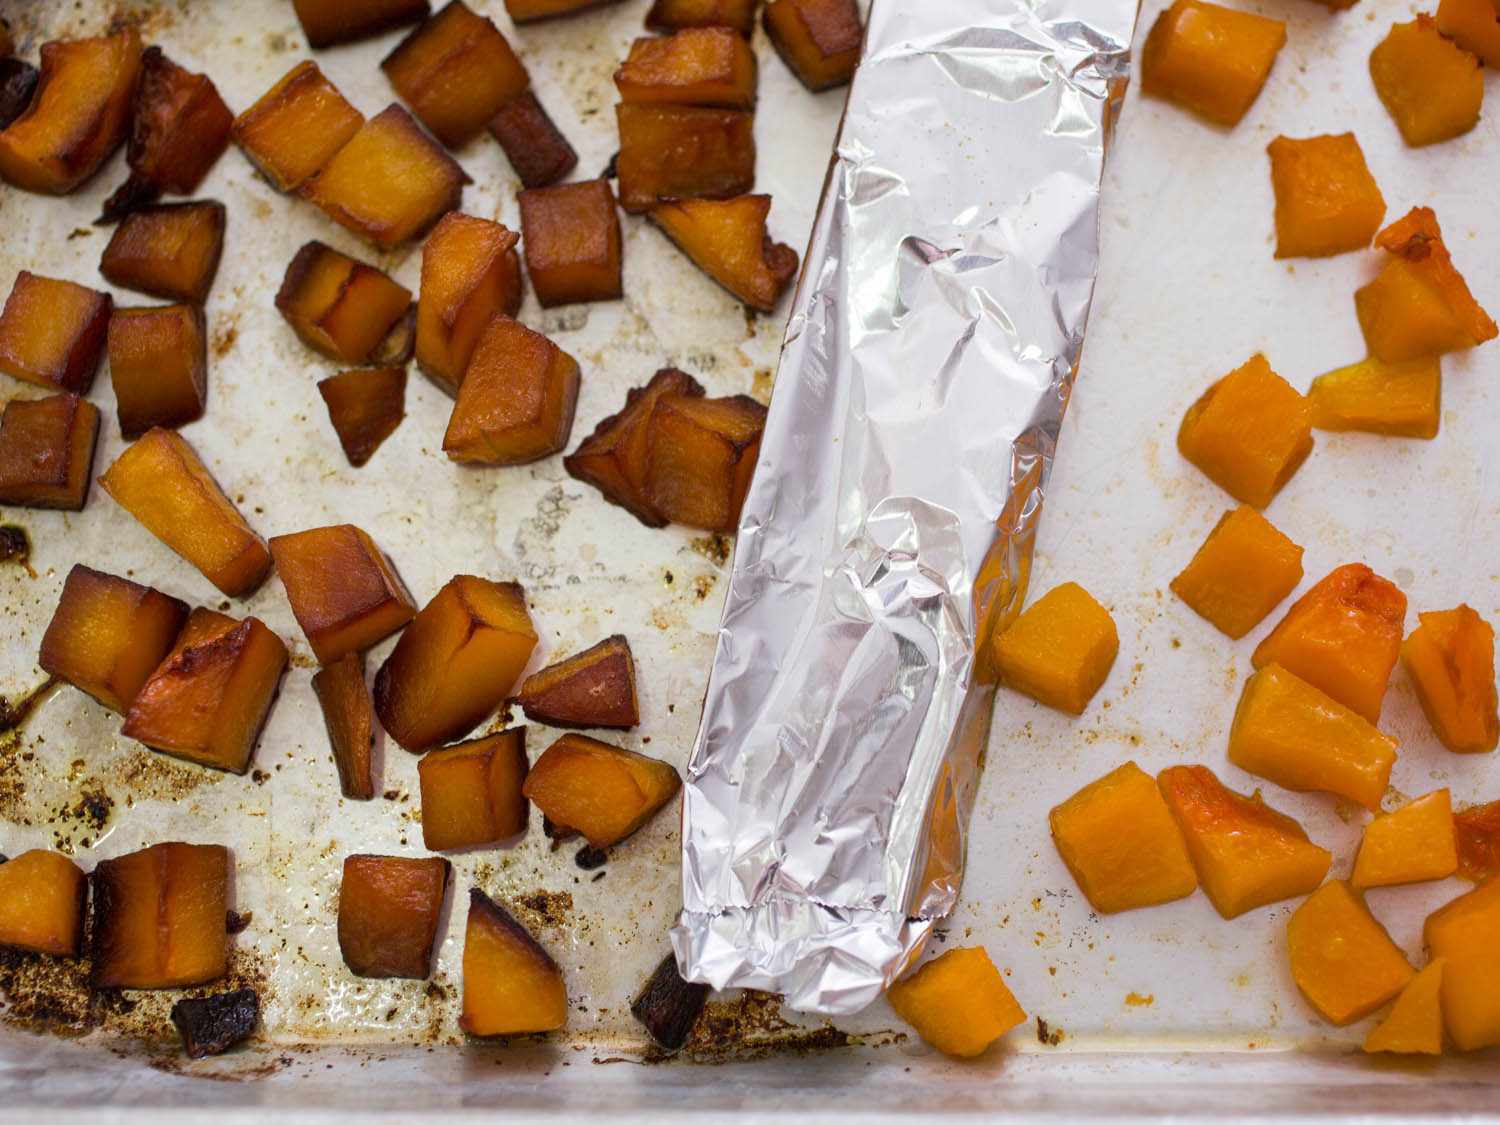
{"points": [[958, 1002], [697, 66], [470, 272], [1395, 399], [1478, 832], [601, 791], [41, 903], [1474, 25], [1243, 571], [52, 333], [1326, 200], [1466, 933], [1060, 650], [1414, 844], [1414, 1025], [727, 240], [1431, 86], [516, 401], [1450, 657], [1210, 59], [296, 127], [471, 793], [47, 451], [512, 986], [1342, 959], [160, 917]]}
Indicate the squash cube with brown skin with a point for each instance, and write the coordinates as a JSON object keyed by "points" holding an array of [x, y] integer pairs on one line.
{"points": [[601, 791], [390, 908], [571, 234], [700, 456], [18, 82], [1343, 961], [533, 144], [1243, 571], [1450, 657], [158, 363], [52, 332], [1431, 87], [161, 481], [696, 66], [680, 151], [595, 688], [108, 635], [1477, 830], [1326, 200], [1466, 933], [958, 1002], [524, 11], [78, 115], [470, 272], [727, 240], [1396, 399], [1474, 25], [455, 71], [47, 451], [349, 716], [516, 401], [471, 793], [1210, 59], [457, 660], [344, 592], [296, 127], [41, 903], [327, 23], [673, 15], [818, 39], [339, 306], [169, 251], [1414, 844], [512, 986], [365, 408], [160, 917]]}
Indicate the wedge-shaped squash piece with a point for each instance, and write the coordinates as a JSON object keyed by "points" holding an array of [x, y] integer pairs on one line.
{"points": [[339, 306], [1244, 569], [1465, 934], [673, 15], [1326, 200], [1289, 732], [1478, 832], [52, 332], [391, 181], [1414, 1025], [349, 716], [455, 71], [1246, 853], [958, 1002], [1450, 657], [390, 908], [210, 697], [296, 127], [470, 272], [169, 251], [47, 451], [727, 240], [1396, 399], [818, 39], [595, 688], [1342, 959], [365, 408], [1430, 86], [571, 233], [1414, 844], [1474, 25], [344, 591], [329, 22], [457, 660], [523, 11], [160, 917], [41, 903], [511, 984], [601, 791], [696, 66], [77, 117], [471, 793], [533, 144], [516, 401], [614, 457], [18, 82], [158, 363], [162, 483], [1343, 636], [1210, 59], [700, 457], [667, 1006], [678, 152], [1060, 650], [1249, 432]]}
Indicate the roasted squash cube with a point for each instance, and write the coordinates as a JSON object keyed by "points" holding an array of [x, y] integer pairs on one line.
{"points": [[160, 917], [18, 82], [818, 39], [365, 408], [470, 272], [349, 716], [672, 15], [533, 144], [47, 451], [1474, 25], [599, 790], [41, 903], [1478, 832], [515, 403], [1414, 1025], [571, 234], [679, 151], [1249, 432], [471, 793], [958, 1002], [1414, 844], [390, 908], [1342, 959], [728, 241], [52, 332], [1396, 399], [1210, 59], [329, 22], [595, 688], [158, 363], [1241, 573], [700, 457], [339, 306], [1450, 656], [696, 66], [169, 251], [457, 660], [1121, 843], [344, 591], [1430, 85], [1326, 200], [1465, 934], [296, 127], [511, 984], [524, 11], [1060, 650]]}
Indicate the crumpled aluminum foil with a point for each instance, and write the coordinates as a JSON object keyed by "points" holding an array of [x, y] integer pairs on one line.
{"points": [[928, 361]]}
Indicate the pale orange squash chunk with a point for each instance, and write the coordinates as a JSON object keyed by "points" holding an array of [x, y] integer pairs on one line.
{"points": [[1060, 650], [1466, 934], [1210, 59], [1342, 959], [1414, 844], [511, 984], [1450, 657], [1395, 399], [1244, 569], [41, 903], [599, 790], [958, 1002], [1414, 1025]]}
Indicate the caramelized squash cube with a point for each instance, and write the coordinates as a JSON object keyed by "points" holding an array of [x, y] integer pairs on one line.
{"points": [[1474, 25], [595, 688], [1121, 843], [390, 908], [1342, 959], [728, 241], [349, 716], [47, 451], [1209, 59], [471, 793], [1060, 650], [457, 660], [295, 128], [571, 234], [679, 151], [160, 917], [511, 984], [1414, 844], [158, 363], [327, 23], [470, 272], [533, 144], [1478, 833], [1243, 571], [958, 1002], [162, 483], [52, 332], [696, 66], [700, 457], [601, 791], [1465, 934], [1450, 657], [818, 39], [516, 401], [344, 591], [169, 251], [1431, 87], [1414, 1025], [365, 408], [1326, 200], [524, 11], [41, 903], [673, 15], [18, 82], [339, 306], [1395, 399]]}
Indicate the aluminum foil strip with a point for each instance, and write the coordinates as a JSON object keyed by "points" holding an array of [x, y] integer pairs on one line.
{"points": [[927, 364]]}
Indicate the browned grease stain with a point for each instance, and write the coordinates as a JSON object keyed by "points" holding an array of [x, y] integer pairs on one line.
{"points": [[543, 908], [14, 713], [750, 1027], [716, 548], [15, 546]]}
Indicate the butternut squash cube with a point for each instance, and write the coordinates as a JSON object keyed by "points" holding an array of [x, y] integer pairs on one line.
{"points": [[958, 1002], [1342, 959], [471, 793], [595, 688], [455, 71], [819, 40], [18, 81], [365, 408], [344, 591], [511, 984], [695, 66], [470, 272], [1244, 569], [41, 903], [161, 482], [601, 791], [1121, 843], [160, 917], [158, 363], [571, 234], [1060, 650], [673, 15], [1474, 25], [1478, 832], [1210, 59], [349, 716], [391, 181], [457, 660], [679, 151], [1430, 85], [47, 451], [1465, 934], [296, 127], [727, 240], [515, 404], [524, 11], [169, 251], [700, 458], [1450, 657], [390, 908], [1396, 399], [339, 306], [1414, 844], [533, 144], [1289, 732], [1414, 1025], [1343, 637], [78, 115], [1249, 432], [52, 332], [330, 22], [1326, 200]]}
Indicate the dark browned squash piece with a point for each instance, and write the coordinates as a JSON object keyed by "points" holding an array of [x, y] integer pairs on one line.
{"points": [[350, 718], [158, 363], [727, 240], [160, 917], [571, 234], [516, 402], [18, 82], [365, 407], [41, 903], [818, 39], [7, 40], [524, 11], [470, 272], [669, 1006], [169, 250], [535, 146], [512, 986], [52, 332], [679, 152], [696, 66], [329, 22], [337, 305], [296, 127], [597, 789], [47, 451], [701, 454], [211, 1025], [595, 688], [672, 15], [344, 592], [389, 911], [471, 793]]}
